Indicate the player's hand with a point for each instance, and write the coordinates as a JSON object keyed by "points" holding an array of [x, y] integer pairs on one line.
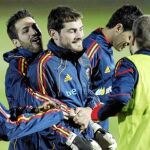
{"points": [[111, 141], [105, 139], [113, 146], [46, 106], [66, 115], [82, 117]]}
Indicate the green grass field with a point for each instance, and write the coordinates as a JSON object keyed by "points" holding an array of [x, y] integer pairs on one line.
{"points": [[96, 13]]}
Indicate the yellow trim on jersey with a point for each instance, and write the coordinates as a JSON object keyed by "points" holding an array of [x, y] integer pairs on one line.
{"points": [[40, 72], [61, 130], [92, 50]]}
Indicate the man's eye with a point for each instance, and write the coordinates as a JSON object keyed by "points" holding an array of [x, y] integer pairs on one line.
{"points": [[25, 31], [71, 31], [81, 29]]}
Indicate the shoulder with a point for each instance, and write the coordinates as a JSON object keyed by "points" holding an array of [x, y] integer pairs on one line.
{"points": [[126, 61], [18, 63], [125, 65], [47, 59], [90, 40], [84, 59]]}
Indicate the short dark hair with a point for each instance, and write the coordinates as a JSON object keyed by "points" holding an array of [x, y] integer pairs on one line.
{"points": [[60, 15], [126, 16], [141, 31], [11, 30]]}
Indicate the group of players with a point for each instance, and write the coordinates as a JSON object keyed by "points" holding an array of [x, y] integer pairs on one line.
{"points": [[54, 94]]}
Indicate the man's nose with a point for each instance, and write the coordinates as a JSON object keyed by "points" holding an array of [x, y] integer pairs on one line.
{"points": [[33, 31], [79, 34]]}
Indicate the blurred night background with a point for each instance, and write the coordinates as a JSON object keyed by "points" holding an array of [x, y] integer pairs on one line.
{"points": [[96, 14]]}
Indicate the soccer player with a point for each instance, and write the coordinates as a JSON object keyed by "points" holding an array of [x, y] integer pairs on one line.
{"points": [[98, 45], [26, 36], [60, 72], [130, 93]]}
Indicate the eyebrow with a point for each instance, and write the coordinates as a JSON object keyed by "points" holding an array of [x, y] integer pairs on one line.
{"points": [[74, 28], [27, 26]]}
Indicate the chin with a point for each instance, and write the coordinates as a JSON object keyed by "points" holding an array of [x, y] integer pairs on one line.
{"points": [[77, 47], [38, 47], [131, 52], [79, 50]]}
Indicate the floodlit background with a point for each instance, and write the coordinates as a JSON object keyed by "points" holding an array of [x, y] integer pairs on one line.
{"points": [[96, 14]]}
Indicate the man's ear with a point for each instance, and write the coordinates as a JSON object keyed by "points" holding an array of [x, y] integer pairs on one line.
{"points": [[119, 28], [53, 34], [133, 39], [16, 42]]}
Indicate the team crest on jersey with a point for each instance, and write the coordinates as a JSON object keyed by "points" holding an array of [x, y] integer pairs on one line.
{"points": [[67, 78], [107, 70]]}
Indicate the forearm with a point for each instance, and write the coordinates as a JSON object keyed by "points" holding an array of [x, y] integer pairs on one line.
{"points": [[102, 112], [28, 123]]}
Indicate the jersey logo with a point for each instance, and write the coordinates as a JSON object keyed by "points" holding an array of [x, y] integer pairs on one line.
{"points": [[107, 70], [103, 91], [67, 78], [100, 91], [71, 92]]}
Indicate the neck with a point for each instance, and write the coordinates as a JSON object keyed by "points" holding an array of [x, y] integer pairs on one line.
{"points": [[108, 34]]}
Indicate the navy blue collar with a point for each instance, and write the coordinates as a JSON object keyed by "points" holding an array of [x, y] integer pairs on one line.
{"points": [[19, 52], [103, 39], [143, 51], [63, 53], [25, 52]]}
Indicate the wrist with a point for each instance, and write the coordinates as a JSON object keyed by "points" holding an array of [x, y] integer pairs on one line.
{"points": [[94, 113]]}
